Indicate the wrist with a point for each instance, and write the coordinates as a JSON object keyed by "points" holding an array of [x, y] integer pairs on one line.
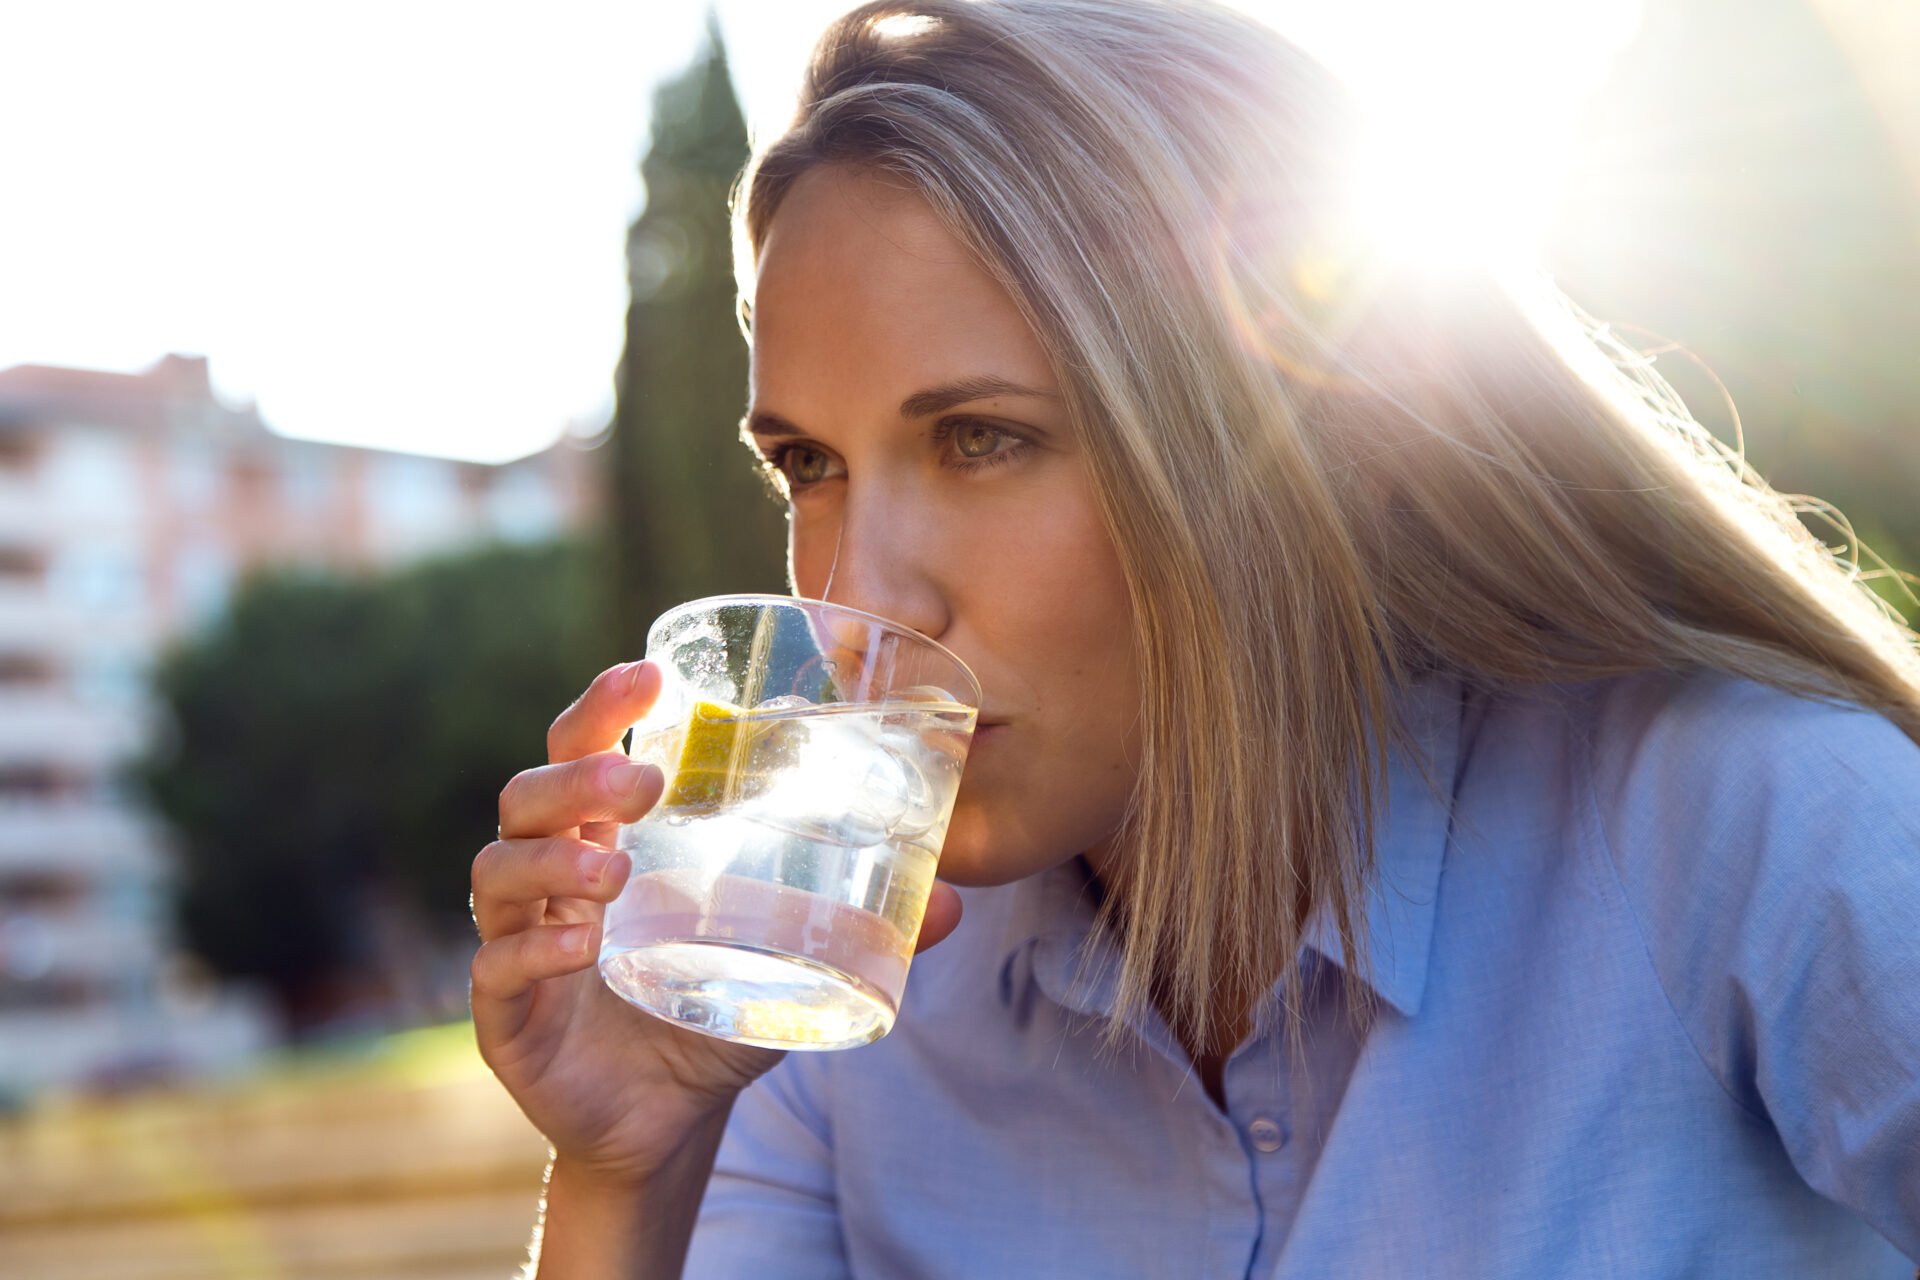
{"points": [[595, 1175], [600, 1220], [583, 1181]]}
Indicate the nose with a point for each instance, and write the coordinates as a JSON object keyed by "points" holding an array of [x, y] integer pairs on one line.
{"points": [[885, 558]]}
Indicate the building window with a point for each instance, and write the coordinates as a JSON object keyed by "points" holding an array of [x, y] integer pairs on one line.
{"points": [[307, 481], [49, 889], [27, 670], [193, 474], [522, 507], [202, 580], [21, 565], [417, 505], [32, 782], [99, 576], [108, 678], [92, 472]]}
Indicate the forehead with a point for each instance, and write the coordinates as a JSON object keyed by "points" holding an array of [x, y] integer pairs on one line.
{"points": [[861, 289]]}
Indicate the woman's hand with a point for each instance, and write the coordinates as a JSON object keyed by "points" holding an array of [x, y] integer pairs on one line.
{"points": [[616, 1091]]}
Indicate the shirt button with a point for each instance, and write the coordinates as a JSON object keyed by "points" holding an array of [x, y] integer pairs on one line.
{"points": [[1266, 1135]]}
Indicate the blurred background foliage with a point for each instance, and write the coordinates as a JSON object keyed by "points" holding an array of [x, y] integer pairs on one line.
{"points": [[338, 753]]}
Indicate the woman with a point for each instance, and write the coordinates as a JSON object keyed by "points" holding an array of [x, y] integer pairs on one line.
{"points": [[1435, 813]]}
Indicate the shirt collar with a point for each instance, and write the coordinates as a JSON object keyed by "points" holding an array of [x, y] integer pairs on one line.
{"points": [[1051, 914]]}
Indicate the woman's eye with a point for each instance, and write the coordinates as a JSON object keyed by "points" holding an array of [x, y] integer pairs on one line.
{"points": [[808, 465], [975, 441], [805, 465]]}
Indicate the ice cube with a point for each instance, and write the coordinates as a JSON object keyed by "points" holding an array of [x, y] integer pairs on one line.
{"points": [[922, 693], [861, 769], [775, 736], [775, 744], [785, 702], [658, 745], [885, 790], [842, 786], [922, 807], [701, 659], [658, 735]]}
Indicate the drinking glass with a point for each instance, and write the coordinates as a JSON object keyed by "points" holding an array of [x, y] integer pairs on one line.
{"points": [[812, 753]]}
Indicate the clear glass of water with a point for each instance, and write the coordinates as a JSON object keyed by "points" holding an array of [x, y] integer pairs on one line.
{"points": [[812, 753]]}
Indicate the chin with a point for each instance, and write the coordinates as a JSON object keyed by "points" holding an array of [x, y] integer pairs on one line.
{"points": [[974, 858]]}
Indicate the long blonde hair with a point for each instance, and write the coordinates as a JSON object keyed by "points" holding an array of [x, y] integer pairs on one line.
{"points": [[1321, 478]]}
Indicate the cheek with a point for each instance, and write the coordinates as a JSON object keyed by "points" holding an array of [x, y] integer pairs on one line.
{"points": [[1076, 601], [1057, 781], [810, 548], [813, 544]]}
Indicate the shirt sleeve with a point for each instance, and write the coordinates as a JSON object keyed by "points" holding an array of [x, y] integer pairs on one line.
{"points": [[770, 1208], [1770, 848]]}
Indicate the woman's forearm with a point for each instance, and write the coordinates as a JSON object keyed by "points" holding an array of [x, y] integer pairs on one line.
{"points": [[592, 1227]]}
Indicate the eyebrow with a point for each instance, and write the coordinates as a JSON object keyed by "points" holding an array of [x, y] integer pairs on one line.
{"points": [[933, 400], [920, 404]]}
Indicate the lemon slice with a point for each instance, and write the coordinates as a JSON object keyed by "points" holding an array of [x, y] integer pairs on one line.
{"points": [[710, 754], [728, 754]]}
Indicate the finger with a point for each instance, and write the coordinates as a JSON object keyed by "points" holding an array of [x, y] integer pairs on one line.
{"points": [[513, 879], [599, 717], [553, 799], [941, 918], [600, 833], [506, 969]]}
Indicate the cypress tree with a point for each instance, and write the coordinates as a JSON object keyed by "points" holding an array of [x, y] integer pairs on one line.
{"points": [[689, 515]]}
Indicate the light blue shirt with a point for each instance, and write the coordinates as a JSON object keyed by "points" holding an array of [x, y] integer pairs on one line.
{"points": [[1650, 1007]]}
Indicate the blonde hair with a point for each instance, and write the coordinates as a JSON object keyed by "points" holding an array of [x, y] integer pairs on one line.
{"points": [[1321, 478]]}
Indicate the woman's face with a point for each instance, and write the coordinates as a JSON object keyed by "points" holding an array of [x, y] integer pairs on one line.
{"points": [[933, 479]]}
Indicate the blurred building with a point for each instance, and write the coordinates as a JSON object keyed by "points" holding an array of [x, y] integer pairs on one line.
{"points": [[130, 506]]}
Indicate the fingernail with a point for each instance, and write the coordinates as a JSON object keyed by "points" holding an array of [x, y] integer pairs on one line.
{"points": [[575, 939], [633, 675], [627, 779], [593, 866]]}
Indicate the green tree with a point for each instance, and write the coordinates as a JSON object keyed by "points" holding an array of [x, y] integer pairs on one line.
{"points": [[689, 515], [341, 743]]}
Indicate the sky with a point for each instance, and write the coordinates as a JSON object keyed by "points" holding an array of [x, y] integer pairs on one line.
{"points": [[402, 224]]}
